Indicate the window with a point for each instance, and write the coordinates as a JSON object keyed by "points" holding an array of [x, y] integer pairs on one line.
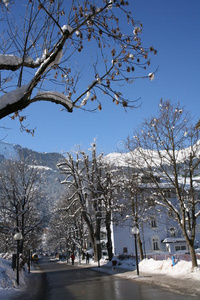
{"points": [[125, 250], [153, 223], [167, 193], [172, 232], [155, 243], [150, 178], [103, 235], [151, 202], [178, 248]]}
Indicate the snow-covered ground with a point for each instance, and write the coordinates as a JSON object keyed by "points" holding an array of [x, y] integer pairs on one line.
{"points": [[182, 269], [8, 276]]}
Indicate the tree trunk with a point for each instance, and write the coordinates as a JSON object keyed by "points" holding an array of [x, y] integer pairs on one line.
{"points": [[109, 240], [193, 256], [91, 233], [190, 243], [95, 250], [140, 247], [97, 246], [94, 237]]}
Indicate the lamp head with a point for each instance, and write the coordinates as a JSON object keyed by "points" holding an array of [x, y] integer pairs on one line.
{"points": [[135, 230], [18, 236]]}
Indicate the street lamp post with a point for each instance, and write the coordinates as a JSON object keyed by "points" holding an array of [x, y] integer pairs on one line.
{"points": [[18, 237], [29, 258], [135, 231]]}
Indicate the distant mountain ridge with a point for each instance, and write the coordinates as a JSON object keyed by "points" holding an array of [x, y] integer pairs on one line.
{"points": [[12, 151], [7, 151], [51, 160]]}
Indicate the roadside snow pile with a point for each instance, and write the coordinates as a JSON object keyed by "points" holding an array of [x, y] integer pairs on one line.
{"points": [[6, 256], [8, 276], [182, 267], [151, 265]]}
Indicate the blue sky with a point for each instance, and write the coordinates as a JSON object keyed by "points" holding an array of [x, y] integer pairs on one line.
{"points": [[173, 28]]}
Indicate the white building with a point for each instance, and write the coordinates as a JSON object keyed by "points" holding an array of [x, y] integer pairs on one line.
{"points": [[159, 233]]}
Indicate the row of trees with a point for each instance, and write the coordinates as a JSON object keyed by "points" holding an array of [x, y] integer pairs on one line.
{"points": [[165, 149], [92, 197], [21, 205]]}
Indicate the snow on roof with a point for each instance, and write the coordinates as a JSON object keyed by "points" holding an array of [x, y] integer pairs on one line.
{"points": [[174, 240]]}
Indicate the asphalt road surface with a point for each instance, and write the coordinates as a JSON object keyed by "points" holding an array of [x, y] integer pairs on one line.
{"points": [[54, 281]]}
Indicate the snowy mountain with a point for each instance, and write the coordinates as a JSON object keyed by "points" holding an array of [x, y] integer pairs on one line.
{"points": [[8, 151], [46, 163], [151, 157], [12, 151]]}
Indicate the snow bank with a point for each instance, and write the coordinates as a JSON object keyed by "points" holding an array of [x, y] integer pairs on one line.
{"points": [[181, 268], [8, 276], [151, 265]]}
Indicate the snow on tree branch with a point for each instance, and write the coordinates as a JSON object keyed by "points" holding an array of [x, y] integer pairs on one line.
{"points": [[13, 96], [56, 51], [55, 97], [13, 63]]}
